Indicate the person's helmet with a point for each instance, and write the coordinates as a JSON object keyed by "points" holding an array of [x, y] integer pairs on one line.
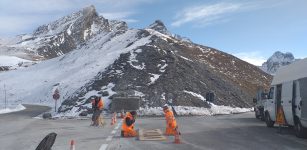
{"points": [[133, 113], [165, 107]]}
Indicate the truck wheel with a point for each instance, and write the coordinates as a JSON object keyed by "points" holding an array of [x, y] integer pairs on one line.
{"points": [[268, 120], [300, 131], [256, 115], [262, 115]]}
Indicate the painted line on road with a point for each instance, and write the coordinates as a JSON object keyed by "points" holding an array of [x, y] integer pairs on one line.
{"points": [[103, 147], [109, 138]]}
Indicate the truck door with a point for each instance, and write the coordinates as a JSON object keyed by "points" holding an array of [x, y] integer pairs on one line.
{"points": [[270, 103], [303, 101], [277, 98], [286, 101]]}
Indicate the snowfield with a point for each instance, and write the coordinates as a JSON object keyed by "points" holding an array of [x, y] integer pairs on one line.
{"points": [[14, 62], [12, 109], [69, 72]]}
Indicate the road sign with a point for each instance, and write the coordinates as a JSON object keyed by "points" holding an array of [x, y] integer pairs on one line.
{"points": [[56, 96], [280, 119]]}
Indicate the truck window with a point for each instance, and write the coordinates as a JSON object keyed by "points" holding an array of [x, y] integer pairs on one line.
{"points": [[271, 93]]}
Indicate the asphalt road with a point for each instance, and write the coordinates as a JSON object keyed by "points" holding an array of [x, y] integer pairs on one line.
{"points": [[19, 131]]}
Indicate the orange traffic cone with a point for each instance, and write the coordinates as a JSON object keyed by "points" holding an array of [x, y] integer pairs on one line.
{"points": [[177, 138], [112, 121], [122, 115], [72, 145], [114, 118]]}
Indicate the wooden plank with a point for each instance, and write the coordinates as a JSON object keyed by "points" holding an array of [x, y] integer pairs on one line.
{"points": [[151, 135]]}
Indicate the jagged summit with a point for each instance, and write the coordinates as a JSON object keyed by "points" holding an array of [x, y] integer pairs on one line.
{"points": [[84, 17], [277, 60], [159, 26], [67, 33]]}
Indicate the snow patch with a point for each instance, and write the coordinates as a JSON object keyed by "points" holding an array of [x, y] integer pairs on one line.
{"points": [[195, 95], [11, 61], [132, 59], [186, 58], [19, 107], [195, 111], [154, 78]]}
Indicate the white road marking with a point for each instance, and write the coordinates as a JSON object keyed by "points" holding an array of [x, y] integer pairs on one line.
{"points": [[113, 132], [109, 138], [103, 147]]}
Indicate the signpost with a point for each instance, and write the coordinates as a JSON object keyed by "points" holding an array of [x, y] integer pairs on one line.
{"points": [[5, 102], [56, 96]]}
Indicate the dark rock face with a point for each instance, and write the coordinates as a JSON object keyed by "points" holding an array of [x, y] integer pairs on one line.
{"points": [[47, 116], [4, 68], [83, 113]]}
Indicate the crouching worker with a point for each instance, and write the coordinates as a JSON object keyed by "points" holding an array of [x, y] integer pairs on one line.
{"points": [[128, 125], [171, 124]]}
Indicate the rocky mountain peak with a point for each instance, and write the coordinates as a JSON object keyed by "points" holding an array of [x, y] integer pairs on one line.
{"points": [[277, 60], [159, 26]]}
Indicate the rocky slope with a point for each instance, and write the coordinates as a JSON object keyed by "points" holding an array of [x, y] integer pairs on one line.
{"points": [[106, 59], [277, 60]]}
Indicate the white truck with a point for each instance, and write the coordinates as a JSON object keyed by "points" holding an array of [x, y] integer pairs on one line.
{"points": [[289, 92]]}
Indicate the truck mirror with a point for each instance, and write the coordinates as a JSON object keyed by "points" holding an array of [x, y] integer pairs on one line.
{"points": [[254, 100]]}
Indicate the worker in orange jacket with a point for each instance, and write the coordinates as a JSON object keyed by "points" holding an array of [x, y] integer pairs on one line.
{"points": [[128, 125], [171, 124], [97, 105]]}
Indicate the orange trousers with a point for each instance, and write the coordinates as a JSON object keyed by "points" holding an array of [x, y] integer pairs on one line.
{"points": [[129, 133], [171, 129]]}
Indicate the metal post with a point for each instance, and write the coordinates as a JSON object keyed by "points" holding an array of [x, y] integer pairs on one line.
{"points": [[55, 105], [4, 97]]}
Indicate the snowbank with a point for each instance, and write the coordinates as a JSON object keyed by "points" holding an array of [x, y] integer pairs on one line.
{"points": [[9, 110], [11, 61], [195, 111]]}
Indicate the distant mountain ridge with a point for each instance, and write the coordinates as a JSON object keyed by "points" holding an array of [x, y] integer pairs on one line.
{"points": [[277, 60]]}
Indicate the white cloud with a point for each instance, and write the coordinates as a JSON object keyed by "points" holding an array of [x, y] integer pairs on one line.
{"points": [[254, 58], [204, 14]]}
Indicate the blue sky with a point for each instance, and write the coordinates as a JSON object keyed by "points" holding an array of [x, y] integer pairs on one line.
{"points": [[250, 29]]}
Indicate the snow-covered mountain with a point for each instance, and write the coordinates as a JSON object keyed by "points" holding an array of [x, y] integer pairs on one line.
{"points": [[277, 60], [107, 59], [59, 37]]}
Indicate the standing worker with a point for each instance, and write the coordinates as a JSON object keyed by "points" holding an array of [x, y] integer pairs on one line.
{"points": [[128, 125], [97, 105], [171, 124]]}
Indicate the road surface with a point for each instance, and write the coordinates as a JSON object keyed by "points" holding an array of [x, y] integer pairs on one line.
{"points": [[19, 131]]}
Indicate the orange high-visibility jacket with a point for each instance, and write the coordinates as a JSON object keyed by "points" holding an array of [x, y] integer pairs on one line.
{"points": [[100, 104], [125, 127], [170, 119]]}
